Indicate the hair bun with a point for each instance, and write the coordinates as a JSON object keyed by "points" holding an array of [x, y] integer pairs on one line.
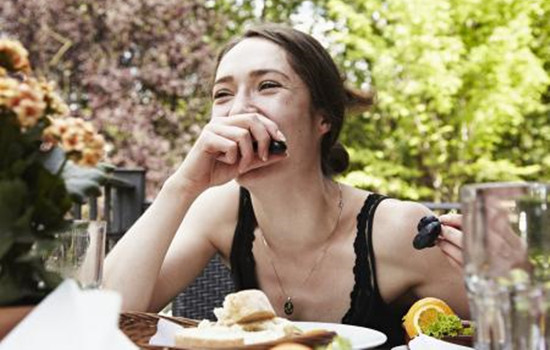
{"points": [[338, 159], [358, 101]]}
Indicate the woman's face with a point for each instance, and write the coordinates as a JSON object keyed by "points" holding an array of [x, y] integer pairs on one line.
{"points": [[255, 77]]}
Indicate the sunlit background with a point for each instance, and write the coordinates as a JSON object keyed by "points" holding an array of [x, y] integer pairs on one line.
{"points": [[463, 86]]}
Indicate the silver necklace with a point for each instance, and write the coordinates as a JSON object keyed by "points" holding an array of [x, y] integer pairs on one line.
{"points": [[288, 306]]}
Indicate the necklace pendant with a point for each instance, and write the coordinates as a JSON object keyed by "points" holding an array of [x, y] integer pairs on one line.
{"points": [[289, 306]]}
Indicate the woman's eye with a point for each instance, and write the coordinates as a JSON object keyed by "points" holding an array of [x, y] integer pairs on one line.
{"points": [[269, 85], [220, 94]]}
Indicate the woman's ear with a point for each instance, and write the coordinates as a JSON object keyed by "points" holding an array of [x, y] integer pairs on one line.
{"points": [[323, 123], [324, 126]]}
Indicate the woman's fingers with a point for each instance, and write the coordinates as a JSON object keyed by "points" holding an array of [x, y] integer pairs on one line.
{"points": [[255, 119], [453, 256], [454, 220], [252, 129], [247, 130], [450, 239], [451, 235], [222, 148], [242, 141], [261, 128], [454, 253]]}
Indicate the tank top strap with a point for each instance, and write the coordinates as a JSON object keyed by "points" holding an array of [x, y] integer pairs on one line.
{"points": [[365, 296], [243, 266]]}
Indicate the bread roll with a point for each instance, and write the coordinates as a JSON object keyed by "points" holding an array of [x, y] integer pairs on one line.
{"points": [[246, 306], [246, 318]]}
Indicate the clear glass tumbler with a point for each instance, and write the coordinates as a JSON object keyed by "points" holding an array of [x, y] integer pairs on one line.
{"points": [[80, 253], [507, 263]]}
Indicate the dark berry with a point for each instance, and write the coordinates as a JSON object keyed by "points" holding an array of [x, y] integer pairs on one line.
{"points": [[429, 229], [275, 147], [425, 220]]}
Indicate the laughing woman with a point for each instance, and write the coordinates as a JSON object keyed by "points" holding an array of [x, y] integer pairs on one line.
{"points": [[320, 250]]}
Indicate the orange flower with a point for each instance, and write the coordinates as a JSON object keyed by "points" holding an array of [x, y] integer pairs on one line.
{"points": [[90, 157], [77, 138], [31, 100], [28, 104], [14, 57]]}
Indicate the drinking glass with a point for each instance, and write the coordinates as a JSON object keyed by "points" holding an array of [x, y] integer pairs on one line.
{"points": [[80, 253], [507, 263]]}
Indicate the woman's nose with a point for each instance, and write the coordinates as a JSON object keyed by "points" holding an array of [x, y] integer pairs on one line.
{"points": [[242, 103]]}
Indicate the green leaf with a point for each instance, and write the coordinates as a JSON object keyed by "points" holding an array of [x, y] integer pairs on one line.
{"points": [[82, 182], [53, 160], [13, 196], [50, 198]]}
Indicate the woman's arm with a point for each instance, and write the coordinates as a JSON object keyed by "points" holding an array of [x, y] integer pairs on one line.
{"points": [[223, 150], [134, 263]]}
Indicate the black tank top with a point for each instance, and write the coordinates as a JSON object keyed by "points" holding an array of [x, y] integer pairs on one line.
{"points": [[367, 308]]}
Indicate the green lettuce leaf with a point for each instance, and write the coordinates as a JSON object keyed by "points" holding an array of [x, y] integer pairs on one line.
{"points": [[446, 326]]}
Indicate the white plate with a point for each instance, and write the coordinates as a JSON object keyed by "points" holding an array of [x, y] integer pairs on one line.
{"points": [[360, 337]]}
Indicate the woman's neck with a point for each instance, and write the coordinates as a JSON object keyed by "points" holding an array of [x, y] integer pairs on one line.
{"points": [[299, 214]]}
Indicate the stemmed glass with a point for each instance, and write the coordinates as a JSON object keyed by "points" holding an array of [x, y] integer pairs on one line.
{"points": [[80, 253], [507, 263]]}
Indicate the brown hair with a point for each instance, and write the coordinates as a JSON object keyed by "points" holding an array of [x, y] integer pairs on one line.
{"points": [[316, 68]]}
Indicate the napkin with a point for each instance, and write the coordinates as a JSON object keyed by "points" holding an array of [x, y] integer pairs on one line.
{"points": [[424, 342], [166, 333], [70, 318]]}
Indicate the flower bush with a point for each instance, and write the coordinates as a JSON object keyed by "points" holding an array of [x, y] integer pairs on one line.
{"points": [[48, 161]]}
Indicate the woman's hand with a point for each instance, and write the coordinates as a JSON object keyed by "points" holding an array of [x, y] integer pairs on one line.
{"points": [[224, 150], [450, 240]]}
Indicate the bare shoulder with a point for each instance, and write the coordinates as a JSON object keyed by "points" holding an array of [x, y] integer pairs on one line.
{"points": [[219, 200], [214, 209], [399, 216], [207, 227]]}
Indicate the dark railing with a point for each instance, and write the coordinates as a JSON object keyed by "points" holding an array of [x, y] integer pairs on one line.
{"points": [[122, 201], [442, 206]]}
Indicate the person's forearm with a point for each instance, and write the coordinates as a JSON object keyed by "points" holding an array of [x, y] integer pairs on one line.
{"points": [[133, 265]]}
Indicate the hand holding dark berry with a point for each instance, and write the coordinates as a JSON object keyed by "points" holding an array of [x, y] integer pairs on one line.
{"points": [[429, 229]]}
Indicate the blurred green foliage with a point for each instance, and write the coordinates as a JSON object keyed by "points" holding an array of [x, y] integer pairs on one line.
{"points": [[462, 89]]}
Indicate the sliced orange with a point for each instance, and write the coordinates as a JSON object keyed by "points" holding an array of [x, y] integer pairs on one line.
{"points": [[423, 313]]}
